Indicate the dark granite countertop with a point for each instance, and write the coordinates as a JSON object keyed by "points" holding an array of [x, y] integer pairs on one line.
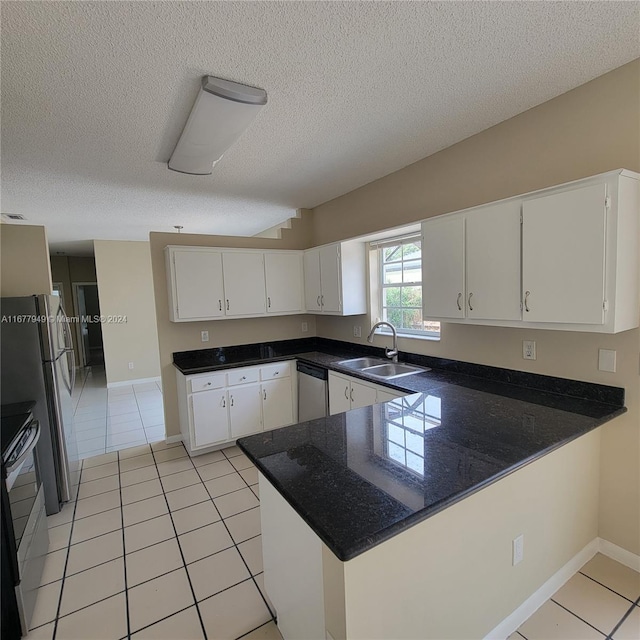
{"points": [[361, 477]]}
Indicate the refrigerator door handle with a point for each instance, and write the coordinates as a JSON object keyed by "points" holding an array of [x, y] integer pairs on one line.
{"points": [[68, 348]]}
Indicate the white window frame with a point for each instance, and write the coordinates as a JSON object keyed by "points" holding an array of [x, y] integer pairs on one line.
{"points": [[379, 247]]}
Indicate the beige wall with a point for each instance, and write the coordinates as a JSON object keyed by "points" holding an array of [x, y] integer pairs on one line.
{"points": [[592, 129], [185, 336], [24, 260], [125, 288], [453, 572]]}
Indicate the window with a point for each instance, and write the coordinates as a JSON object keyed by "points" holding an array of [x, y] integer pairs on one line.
{"points": [[400, 296]]}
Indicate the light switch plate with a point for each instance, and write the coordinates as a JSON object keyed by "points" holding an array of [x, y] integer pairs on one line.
{"points": [[607, 360]]}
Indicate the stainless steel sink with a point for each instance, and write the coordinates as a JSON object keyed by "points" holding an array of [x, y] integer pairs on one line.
{"points": [[393, 370], [361, 363]]}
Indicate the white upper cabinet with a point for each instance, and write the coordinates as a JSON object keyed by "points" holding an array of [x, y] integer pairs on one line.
{"points": [[471, 264], [335, 279], [244, 285], [493, 262], [284, 279], [208, 283], [196, 290], [443, 292], [563, 256], [560, 258]]}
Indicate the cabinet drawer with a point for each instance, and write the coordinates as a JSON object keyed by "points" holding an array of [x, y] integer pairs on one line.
{"points": [[204, 383], [278, 370], [242, 376]]}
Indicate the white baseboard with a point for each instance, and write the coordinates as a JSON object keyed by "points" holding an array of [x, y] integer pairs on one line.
{"points": [[619, 554], [125, 383], [537, 599], [172, 439]]}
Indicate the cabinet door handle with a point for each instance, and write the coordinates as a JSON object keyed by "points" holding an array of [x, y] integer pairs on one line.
{"points": [[346, 392], [269, 302], [219, 305], [227, 304], [351, 394], [231, 400], [264, 391], [470, 307], [322, 301], [526, 300], [208, 384], [458, 302], [223, 403], [318, 301]]}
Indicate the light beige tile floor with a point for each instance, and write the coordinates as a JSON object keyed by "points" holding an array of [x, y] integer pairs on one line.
{"points": [[601, 601], [160, 546], [147, 551]]}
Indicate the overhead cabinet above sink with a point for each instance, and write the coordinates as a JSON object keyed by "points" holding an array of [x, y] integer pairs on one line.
{"points": [[560, 258]]}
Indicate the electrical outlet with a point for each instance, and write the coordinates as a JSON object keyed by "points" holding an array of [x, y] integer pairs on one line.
{"points": [[357, 331], [529, 349], [607, 360], [204, 336], [305, 327], [518, 550], [131, 365]]}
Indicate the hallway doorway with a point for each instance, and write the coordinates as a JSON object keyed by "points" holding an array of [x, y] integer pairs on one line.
{"points": [[89, 328]]}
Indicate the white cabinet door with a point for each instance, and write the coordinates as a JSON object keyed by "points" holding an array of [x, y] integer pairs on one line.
{"points": [[198, 284], [493, 262], [284, 278], [339, 389], [244, 285], [443, 268], [277, 403], [362, 395], [312, 289], [563, 252], [245, 403], [385, 395], [331, 294], [209, 417]]}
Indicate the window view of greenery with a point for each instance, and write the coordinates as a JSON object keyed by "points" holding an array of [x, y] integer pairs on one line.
{"points": [[401, 282]]}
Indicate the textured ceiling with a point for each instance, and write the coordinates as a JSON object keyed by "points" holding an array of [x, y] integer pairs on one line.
{"points": [[95, 95]]}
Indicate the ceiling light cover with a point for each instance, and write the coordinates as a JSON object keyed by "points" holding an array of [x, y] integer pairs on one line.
{"points": [[222, 111]]}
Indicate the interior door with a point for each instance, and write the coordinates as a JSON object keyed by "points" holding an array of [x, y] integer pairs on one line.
{"points": [[85, 348], [563, 251]]}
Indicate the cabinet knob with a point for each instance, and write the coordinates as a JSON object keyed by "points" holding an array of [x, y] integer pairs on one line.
{"points": [[243, 378], [276, 373], [219, 305], [231, 400], [227, 304], [526, 300], [265, 394], [269, 302], [208, 384], [458, 302], [469, 301]]}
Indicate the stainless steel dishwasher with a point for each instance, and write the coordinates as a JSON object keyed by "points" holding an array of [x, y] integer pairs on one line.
{"points": [[313, 394]]}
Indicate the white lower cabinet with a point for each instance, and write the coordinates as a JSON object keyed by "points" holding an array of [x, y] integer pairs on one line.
{"points": [[219, 407], [346, 393], [210, 418], [245, 416]]}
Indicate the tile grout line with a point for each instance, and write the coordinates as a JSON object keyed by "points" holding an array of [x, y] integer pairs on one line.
{"points": [[622, 620], [236, 544], [577, 616], [184, 563], [66, 561], [124, 554], [605, 586]]}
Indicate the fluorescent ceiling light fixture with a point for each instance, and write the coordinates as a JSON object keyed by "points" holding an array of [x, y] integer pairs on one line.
{"points": [[222, 111]]}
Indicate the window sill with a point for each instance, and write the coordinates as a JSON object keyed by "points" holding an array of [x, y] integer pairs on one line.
{"points": [[410, 336]]}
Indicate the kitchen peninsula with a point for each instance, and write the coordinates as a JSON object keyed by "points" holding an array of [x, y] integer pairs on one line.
{"points": [[367, 515]]}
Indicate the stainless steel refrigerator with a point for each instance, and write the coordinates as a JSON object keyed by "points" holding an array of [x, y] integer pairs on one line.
{"points": [[38, 364]]}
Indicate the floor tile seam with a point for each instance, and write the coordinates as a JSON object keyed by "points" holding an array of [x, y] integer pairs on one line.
{"points": [[101, 492], [229, 492], [525, 637], [224, 475], [241, 556], [161, 619], [66, 560], [577, 616], [186, 486], [184, 563], [99, 564], [605, 586], [622, 620], [228, 457], [238, 513], [124, 553], [264, 624]]}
